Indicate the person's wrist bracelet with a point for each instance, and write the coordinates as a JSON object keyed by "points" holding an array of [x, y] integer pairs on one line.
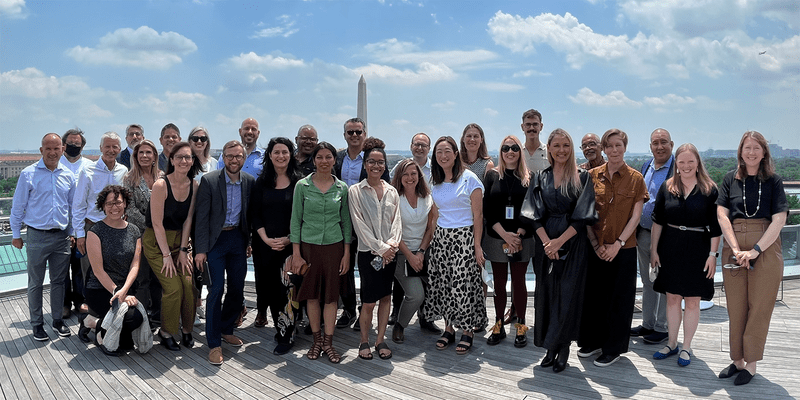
{"points": [[757, 248]]}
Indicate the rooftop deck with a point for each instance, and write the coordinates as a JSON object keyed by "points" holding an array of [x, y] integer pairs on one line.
{"points": [[66, 368]]}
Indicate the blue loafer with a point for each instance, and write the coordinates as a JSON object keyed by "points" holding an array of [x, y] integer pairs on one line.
{"points": [[684, 361], [660, 356]]}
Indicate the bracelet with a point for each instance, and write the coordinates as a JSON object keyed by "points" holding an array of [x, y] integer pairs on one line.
{"points": [[166, 255], [757, 248], [185, 249]]}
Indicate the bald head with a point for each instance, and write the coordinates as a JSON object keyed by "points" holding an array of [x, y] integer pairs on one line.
{"points": [[249, 134], [661, 146], [590, 145], [51, 150]]}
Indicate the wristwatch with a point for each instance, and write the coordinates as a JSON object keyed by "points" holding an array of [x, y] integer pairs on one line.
{"points": [[621, 242], [185, 249], [714, 253], [757, 248]]}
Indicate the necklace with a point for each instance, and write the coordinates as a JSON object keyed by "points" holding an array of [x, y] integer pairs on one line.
{"points": [[744, 198]]}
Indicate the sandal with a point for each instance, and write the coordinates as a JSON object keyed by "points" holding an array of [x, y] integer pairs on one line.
{"points": [[445, 340], [327, 348], [382, 346], [463, 348], [316, 347], [660, 356], [362, 347], [684, 361]]}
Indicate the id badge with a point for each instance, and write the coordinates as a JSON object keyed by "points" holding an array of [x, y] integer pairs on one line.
{"points": [[509, 212]]}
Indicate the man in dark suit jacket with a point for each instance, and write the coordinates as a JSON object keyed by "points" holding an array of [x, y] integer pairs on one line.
{"points": [[222, 238], [134, 135]]}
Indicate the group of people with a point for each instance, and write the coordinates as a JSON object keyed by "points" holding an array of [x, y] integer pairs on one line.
{"points": [[154, 227]]}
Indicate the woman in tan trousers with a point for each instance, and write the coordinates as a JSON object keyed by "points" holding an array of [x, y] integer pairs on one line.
{"points": [[751, 209]]}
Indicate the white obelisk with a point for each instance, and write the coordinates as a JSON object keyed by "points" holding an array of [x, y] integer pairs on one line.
{"points": [[361, 108]]}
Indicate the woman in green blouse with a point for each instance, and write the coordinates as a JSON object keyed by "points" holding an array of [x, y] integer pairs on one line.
{"points": [[320, 235]]}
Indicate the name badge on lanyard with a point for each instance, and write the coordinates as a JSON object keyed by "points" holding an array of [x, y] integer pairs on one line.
{"points": [[509, 212]]}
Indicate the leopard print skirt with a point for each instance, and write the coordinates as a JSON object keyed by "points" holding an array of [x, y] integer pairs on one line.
{"points": [[456, 287]]}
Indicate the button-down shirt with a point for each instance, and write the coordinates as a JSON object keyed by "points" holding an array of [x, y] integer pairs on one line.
{"points": [[306, 166], [77, 166], [233, 210], [351, 169], [615, 200], [91, 181], [252, 163], [377, 222], [653, 178], [162, 162], [42, 198], [320, 218], [538, 160]]}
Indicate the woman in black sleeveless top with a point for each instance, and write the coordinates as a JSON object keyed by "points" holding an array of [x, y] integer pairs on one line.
{"points": [[169, 222]]}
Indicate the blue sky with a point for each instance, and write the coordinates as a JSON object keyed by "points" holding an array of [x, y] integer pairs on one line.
{"points": [[692, 67]]}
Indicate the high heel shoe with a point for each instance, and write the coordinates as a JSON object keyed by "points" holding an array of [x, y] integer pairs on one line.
{"points": [[187, 340], [561, 359], [549, 359], [169, 342]]}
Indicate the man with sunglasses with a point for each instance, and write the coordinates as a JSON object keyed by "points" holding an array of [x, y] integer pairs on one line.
{"points": [[590, 145], [134, 134]]}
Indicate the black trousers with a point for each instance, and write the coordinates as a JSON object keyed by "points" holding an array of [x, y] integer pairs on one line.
{"points": [[98, 300], [267, 265]]}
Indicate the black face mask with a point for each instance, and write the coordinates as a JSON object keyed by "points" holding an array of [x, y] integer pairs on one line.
{"points": [[73, 150]]}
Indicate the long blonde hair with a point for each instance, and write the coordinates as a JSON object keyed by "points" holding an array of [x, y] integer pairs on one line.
{"points": [[570, 182], [521, 171], [135, 175], [704, 181]]}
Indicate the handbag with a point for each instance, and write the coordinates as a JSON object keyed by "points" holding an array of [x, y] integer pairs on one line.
{"points": [[423, 272], [287, 265]]}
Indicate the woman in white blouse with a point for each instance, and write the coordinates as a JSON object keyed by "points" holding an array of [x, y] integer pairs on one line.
{"points": [[375, 212], [456, 257], [418, 225]]}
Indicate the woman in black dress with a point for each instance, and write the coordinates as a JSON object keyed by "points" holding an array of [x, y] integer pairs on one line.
{"points": [[563, 201], [271, 206], [684, 242], [751, 209]]}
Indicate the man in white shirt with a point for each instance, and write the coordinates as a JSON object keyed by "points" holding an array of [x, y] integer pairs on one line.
{"points": [[420, 147], [91, 180], [535, 150]]}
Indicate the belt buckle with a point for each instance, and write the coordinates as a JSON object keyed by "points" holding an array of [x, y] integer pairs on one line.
{"points": [[682, 227]]}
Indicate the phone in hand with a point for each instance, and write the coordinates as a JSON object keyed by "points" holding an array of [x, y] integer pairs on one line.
{"points": [[115, 305]]}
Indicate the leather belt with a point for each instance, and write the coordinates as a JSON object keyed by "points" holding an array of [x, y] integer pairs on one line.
{"points": [[688, 228], [54, 230], [229, 228]]}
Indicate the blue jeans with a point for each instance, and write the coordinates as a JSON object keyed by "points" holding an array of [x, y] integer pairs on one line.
{"points": [[229, 255], [53, 248]]}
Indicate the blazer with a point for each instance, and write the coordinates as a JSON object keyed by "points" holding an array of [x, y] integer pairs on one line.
{"points": [[124, 158], [210, 208], [337, 168]]}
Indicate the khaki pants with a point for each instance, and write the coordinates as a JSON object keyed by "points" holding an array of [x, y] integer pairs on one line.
{"points": [[177, 300], [750, 294]]}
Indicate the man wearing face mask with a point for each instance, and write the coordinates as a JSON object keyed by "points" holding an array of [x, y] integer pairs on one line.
{"points": [[134, 134], [73, 142]]}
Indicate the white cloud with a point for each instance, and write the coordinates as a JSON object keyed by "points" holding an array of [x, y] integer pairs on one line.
{"points": [[284, 30], [642, 55], [669, 100], [615, 98], [530, 72], [254, 62], [425, 73], [446, 106], [498, 86], [13, 8], [490, 112], [141, 48], [393, 51]]}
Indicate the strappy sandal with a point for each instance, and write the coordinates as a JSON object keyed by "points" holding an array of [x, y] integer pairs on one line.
{"points": [[327, 348], [382, 346], [445, 340], [316, 347], [462, 348], [362, 347]]}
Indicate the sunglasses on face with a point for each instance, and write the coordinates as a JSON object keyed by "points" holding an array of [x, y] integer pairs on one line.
{"points": [[199, 139], [506, 148], [357, 133]]}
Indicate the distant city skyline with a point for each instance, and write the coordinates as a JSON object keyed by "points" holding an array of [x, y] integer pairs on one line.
{"points": [[706, 71]]}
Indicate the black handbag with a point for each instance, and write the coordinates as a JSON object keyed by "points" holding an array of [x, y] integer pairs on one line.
{"points": [[423, 272]]}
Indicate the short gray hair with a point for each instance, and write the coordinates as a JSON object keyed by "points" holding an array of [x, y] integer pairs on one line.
{"points": [[110, 135]]}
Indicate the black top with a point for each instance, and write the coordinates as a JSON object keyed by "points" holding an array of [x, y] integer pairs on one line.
{"points": [[271, 209], [118, 247], [498, 194], [175, 212], [696, 210], [556, 212], [306, 167], [773, 197]]}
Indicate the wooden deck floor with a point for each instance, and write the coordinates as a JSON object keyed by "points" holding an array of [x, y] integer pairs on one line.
{"points": [[66, 368]]}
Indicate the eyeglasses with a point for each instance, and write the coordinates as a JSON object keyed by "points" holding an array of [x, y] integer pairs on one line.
{"points": [[420, 145], [183, 158], [307, 139], [513, 147], [529, 125], [199, 139], [357, 133], [372, 162], [588, 144], [118, 203], [231, 157]]}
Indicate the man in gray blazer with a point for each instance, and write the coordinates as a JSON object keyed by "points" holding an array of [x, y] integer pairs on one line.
{"points": [[221, 239]]}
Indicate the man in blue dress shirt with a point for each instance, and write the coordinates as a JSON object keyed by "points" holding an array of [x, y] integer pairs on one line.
{"points": [[254, 155], [42, 202]]}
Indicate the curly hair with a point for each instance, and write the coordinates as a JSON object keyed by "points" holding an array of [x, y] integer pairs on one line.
{"points": [[113, 190]]}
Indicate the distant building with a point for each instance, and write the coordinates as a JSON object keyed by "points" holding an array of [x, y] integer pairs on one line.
{"points": [[11, 165]]}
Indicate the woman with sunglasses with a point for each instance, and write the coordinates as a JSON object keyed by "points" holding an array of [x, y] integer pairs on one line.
{"points": [[751, 209], [507, 241], [685, 218], [456, 292], [563, 204], [201, 147]]}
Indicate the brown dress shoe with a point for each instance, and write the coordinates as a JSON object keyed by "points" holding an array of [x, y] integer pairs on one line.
{"points": [[215, 356], [232, 340]]}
